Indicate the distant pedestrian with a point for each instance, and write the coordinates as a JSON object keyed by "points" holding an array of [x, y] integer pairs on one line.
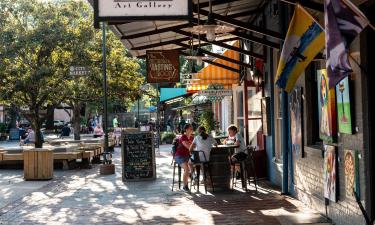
{"points": [[98, 131], [115, 122]]}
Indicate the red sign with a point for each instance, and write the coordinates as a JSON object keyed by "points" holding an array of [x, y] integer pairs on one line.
{"points": [[163, 66]]}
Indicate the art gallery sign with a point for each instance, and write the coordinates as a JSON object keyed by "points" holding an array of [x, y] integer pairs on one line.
{"points": [[163, 66], [117, 10]]}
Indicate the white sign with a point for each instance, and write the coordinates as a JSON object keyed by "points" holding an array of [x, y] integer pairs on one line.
{"points": [[139, 8], [79, 71], [222, 92]]}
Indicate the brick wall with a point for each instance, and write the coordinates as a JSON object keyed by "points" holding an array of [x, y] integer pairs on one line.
{"points": [[308, 171]]}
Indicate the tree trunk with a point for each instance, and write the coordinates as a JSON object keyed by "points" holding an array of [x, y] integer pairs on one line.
{"points": [[50, 117], [77, 120], [38, 133], [13, 116]]}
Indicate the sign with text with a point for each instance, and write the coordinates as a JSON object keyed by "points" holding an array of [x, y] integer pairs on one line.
{"points": [[117, 10], [163, 66], [138, 156], [79, 71], [217, 93]]}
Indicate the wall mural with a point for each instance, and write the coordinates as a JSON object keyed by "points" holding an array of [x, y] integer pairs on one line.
{"points": [[327, 108], [296, 121], [330, 173], [351, 173], [344, 118]]}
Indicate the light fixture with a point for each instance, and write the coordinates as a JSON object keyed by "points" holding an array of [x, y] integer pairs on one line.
{"points": [[257, 77], [210, 28]]}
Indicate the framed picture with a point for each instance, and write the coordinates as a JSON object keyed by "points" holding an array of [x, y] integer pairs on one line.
{"points": [[330, 173], [344, 118], [296, 121], [351, 173], [327, 108], [266, 115]]}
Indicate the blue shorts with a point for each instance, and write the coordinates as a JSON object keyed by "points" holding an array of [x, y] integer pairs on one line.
{"points": [[181, 159]]}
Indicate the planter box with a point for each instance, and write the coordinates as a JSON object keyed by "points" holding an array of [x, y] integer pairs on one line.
{"points": [[38, 164]]}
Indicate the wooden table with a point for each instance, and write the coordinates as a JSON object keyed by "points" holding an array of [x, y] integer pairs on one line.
{"points": [[220, 167]]}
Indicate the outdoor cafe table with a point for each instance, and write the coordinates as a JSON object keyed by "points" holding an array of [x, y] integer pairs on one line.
{"points": [[220, 167]]}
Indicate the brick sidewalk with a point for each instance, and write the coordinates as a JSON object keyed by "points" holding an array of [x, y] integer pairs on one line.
{"points": [[85, 197]]}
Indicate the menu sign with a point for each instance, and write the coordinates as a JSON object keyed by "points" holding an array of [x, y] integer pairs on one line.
{"points": [[163, 66], [138, 156]]}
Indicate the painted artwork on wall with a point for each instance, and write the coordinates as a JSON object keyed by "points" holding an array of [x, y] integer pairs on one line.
{"points": [[327, 108], [344, 118], [296, 121], [351, 173], [330, 173]]}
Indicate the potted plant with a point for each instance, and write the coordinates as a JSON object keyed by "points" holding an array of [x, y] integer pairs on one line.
{"points": [[167, 137]]}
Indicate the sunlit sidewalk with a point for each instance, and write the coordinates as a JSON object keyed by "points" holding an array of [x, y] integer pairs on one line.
{"points": [[85, 197]]}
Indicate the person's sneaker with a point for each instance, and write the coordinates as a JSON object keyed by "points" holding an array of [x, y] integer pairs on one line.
{"points": [[186, 188]]}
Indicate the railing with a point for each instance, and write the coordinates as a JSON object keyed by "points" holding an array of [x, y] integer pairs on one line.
{"points": [[367, 218]]}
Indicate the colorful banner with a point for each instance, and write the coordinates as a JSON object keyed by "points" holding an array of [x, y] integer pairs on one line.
{"points": [[304, 40]]}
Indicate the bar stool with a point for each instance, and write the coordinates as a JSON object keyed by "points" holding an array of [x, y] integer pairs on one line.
{"points": [[174, 172], [251, 163], [197, 164], [245, 165]]}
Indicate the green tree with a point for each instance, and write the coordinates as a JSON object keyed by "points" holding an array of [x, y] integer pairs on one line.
{"points": [[39, 43]]}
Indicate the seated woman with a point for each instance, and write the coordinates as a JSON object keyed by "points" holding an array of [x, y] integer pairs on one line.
{"points": [[98, 131], [182, 153], [203, 142]]}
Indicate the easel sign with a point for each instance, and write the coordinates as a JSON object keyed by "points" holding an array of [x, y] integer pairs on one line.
{"points": [[138, 156]]}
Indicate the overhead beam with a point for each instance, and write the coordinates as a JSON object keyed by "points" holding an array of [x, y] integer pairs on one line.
{"points": [[221, 44], [241, 24], [180, 26], [307, 3], [218, 56], [216, 64], [175, 41], [256, 39]]}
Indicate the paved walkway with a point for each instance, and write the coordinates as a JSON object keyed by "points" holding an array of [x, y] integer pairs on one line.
{"points": [[85, 197]]}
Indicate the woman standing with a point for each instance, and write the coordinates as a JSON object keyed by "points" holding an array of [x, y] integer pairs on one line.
{"points": [[182, 154]]}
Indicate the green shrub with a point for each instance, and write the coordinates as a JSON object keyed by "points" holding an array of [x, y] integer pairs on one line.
{"points": [[3, 127], [167, 136], [206, 119]]}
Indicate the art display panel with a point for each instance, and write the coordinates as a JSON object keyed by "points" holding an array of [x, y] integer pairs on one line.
{"points": [[344, 117], [330, 173], [351, 169], [296, 122]]}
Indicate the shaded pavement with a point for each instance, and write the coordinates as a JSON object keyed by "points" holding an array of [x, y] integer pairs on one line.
{"points": [[86, 197]]}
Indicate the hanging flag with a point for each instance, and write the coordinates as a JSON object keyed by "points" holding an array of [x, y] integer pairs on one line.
{"points": [[343, 22], [304, 40]]}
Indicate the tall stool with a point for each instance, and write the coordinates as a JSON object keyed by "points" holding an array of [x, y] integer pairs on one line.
{"points": [[243, 169], [198, 164], [174, 172], [251, 163]]}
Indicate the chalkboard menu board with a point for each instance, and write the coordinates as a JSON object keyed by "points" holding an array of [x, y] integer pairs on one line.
{"points": [[138, 156], [14, 134]]}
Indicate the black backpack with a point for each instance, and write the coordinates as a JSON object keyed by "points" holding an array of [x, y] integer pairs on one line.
{"points": [[175, 144]]}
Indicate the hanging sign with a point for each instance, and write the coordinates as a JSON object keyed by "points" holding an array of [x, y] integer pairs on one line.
{"points": [[163, 66], [218, 93], [120, 10], [79, 71]]}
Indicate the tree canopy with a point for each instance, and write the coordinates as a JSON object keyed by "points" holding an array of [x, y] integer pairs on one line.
{"points": [[39, 43]]}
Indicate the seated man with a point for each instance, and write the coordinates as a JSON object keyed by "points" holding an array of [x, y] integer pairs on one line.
{"points": [[65, 131], [30, 137]]}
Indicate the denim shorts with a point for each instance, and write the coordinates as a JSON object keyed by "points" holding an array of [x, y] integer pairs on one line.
{"points": [[181, 159]]}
